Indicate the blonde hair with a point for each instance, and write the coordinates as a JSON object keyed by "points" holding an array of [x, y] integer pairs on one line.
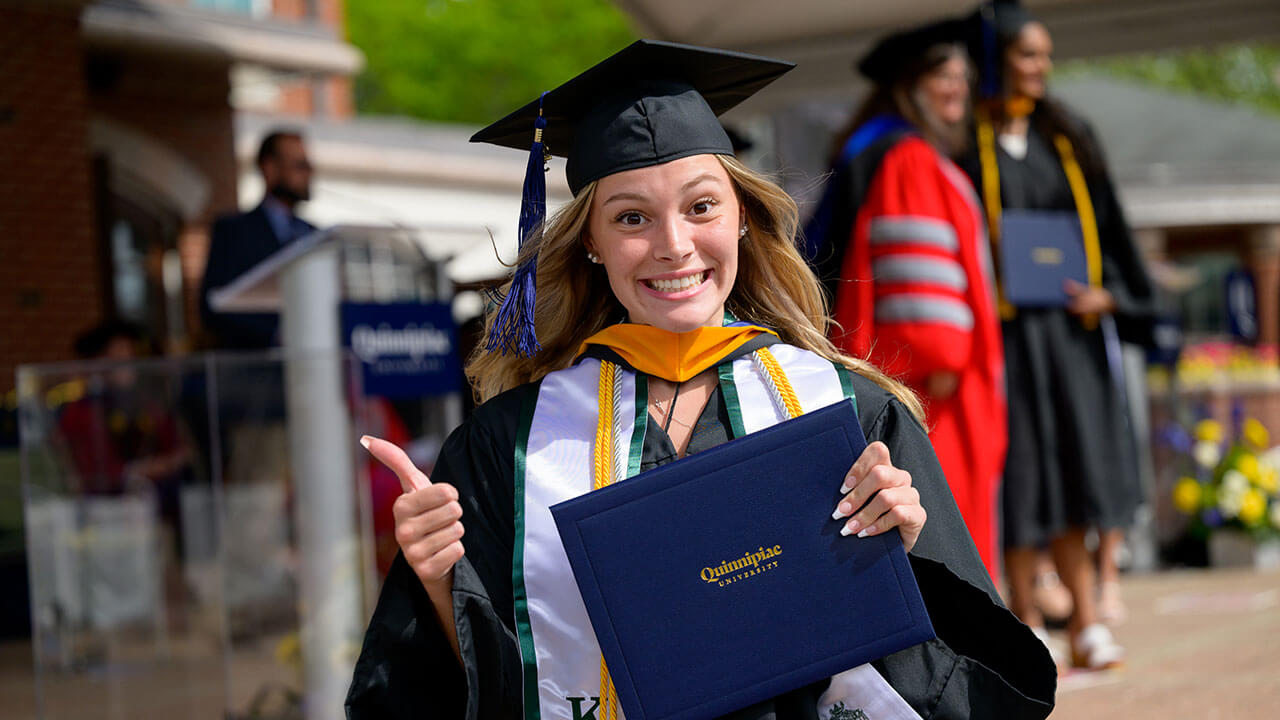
{"points": [[775, 287]]}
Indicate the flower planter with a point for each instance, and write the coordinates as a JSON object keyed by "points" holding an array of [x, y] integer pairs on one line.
{"points": [[1231, 548]]}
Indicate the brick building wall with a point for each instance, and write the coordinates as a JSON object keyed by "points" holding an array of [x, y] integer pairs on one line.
{"points": [[180, 103], [298, 96], [54, 205], [51, 283]]}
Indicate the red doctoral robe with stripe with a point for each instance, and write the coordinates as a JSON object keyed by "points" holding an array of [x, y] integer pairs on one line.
{"points": [[916, 298]]}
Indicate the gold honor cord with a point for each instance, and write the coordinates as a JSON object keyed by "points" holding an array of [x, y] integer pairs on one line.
{"points": [[607, 396], [991, 201], [1088, 221], [1079, 194], [779, 385]]}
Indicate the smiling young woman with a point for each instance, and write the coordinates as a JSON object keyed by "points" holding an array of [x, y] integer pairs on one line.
{"points": [[667, 236], [670, 312]]}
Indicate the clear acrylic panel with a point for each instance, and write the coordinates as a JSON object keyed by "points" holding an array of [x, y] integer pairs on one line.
{"points": [[173, 547]]}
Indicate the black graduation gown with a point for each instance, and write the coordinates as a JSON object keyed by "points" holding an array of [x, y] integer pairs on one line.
{"points": [[1071, 455], [984, 664]]}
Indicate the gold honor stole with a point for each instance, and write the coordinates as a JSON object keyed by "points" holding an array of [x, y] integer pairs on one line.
{"points": [[586, 430]]}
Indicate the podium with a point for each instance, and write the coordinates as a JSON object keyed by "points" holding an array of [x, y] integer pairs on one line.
{"points": [[304, 281]]}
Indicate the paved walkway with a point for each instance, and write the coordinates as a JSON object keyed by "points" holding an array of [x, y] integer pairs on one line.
{"points": [[1202, 644]]}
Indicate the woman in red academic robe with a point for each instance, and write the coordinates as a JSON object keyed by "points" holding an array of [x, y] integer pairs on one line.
{"points": [[912, 283]]}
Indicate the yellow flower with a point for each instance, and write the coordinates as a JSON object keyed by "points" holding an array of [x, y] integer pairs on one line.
{"points": [[1255, 433], [1268, 480], [1247, 464], [1252, 507], [1186, 495], [1209, 431]]}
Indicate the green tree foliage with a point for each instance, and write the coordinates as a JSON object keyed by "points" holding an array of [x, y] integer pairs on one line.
{"points": [[473, 61], [1247, 74]]}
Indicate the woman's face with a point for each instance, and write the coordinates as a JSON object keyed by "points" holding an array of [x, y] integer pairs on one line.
{"points": [[667, 236], [945, 90], [1028, 62]]}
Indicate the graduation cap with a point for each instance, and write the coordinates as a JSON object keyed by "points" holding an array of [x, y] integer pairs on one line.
{"points": [[650, 103], [988, 30], [1009, 16], [894, 54]]}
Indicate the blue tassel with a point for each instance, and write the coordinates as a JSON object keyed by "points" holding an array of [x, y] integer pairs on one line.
{"points": [[990, 69], [513, 327]]}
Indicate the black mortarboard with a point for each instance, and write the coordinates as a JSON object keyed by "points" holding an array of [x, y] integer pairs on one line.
{"points": [[895, 54], [1009, 18], [647, 104]]}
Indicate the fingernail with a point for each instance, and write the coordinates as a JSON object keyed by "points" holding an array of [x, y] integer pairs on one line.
{"points": [[851, 527], [842, 510], [865, 531], [364, 440], [845, 531], [846, 487]]}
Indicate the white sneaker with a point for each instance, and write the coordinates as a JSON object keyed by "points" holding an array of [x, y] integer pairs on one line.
{"points": [[1094, 648]]}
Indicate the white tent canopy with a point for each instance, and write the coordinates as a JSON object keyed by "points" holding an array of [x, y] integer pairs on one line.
{"points": [[824, 36]]}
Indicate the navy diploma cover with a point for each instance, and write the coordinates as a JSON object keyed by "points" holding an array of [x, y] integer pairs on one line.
{"points": [[720, 580], [1039, 251]]}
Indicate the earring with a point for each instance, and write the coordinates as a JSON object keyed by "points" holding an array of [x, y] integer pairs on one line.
{"points": [[593, 257], [742, 232]]}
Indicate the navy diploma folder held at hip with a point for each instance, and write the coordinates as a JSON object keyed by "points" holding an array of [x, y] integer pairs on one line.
{"points": [[721, 580], [1039, 252]]}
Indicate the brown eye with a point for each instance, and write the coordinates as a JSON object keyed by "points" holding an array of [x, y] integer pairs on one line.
{"points": [[702, 207], [630, 218]]}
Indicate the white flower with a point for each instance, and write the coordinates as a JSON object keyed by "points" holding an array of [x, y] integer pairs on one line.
{"points": [[1234, 482], [1207, 454], [1231, 494], [1270, 457], [1230, 504]]}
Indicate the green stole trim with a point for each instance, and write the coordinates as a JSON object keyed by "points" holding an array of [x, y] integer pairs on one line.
{"points": [[846, 384], [523, 629], [641, 425], [730, 392]]}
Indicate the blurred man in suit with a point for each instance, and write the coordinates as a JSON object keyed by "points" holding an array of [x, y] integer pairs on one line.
{"points": [[240, 241]]}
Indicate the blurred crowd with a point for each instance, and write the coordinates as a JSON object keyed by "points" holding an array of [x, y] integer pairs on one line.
{"points": [[973, 245]]}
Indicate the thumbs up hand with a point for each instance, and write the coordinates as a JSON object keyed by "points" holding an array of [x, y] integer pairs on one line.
{"points": [[428, 518]]}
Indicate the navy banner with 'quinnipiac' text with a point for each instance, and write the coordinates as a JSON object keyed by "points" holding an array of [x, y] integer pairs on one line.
{"points": [[406, 349]]}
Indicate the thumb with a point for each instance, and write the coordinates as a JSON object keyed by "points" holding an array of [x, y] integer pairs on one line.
{"points": [[390, 454]]}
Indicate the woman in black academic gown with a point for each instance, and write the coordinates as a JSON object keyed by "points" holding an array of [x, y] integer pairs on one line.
{"points": [[672, 311], [1069, 467]]}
